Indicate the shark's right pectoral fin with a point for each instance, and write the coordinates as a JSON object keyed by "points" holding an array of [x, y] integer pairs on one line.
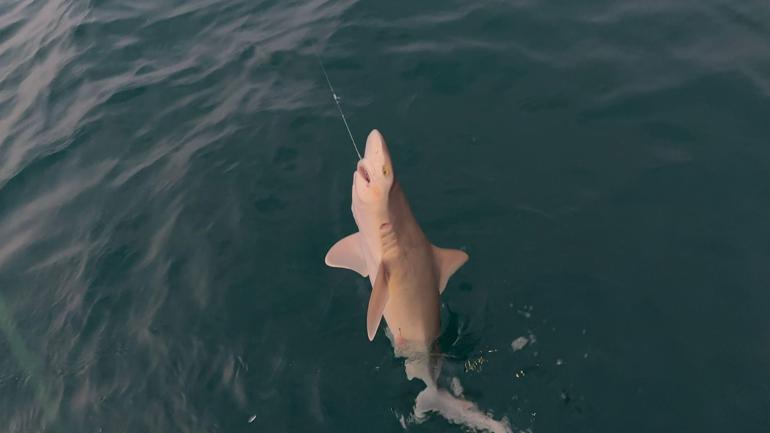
{"points": [[348, 253], [377, 302]]}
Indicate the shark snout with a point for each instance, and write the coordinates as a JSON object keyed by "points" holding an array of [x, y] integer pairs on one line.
{"points": [[375, 144], [373, 176]]}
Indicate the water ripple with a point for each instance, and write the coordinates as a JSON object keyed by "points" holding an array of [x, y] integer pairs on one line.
{"points": [[170, 172]]}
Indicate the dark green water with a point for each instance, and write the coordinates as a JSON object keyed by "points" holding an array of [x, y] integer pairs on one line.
{"points": [[172, 174]]}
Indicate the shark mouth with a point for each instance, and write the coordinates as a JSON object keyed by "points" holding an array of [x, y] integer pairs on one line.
{"points": [[364, 173]]}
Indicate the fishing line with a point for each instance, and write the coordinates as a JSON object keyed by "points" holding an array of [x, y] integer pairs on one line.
{"points": [[339, 107]]}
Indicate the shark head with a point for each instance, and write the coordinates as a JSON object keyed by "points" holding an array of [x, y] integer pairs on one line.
{"points": [[374, 177]]}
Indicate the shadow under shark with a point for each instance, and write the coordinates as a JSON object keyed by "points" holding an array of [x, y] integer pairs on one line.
{"points": [[407, 274]]}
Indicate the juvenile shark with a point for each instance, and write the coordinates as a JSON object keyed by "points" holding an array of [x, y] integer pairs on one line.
{"points": [[407, 274]]}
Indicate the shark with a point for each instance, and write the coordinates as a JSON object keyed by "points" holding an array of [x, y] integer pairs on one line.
{"points": [[408, 274]]}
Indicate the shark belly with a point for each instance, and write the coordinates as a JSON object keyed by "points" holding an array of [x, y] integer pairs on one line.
{"points": [[412, 315], [412, 312]]}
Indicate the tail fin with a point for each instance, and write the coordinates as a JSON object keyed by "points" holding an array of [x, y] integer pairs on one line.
{"points": [[426, 366], [456, 410]]}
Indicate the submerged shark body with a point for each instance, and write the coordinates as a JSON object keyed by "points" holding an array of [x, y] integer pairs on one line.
{"points": [[407, 273]]}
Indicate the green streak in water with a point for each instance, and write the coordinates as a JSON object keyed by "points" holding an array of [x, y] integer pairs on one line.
{"points": [[27, 361]]}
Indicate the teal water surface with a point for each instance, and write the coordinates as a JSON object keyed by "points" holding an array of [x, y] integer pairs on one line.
{"points": [[172, 174]]}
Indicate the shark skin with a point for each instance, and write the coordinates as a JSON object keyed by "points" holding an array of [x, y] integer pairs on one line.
{"points": [[407, 274]]}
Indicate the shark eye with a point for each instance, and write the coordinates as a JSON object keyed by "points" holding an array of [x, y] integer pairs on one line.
{"points": [[384, 170]]}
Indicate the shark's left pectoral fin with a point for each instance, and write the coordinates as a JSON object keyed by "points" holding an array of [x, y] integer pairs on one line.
{"points": [[377, 302], [448, 261]]}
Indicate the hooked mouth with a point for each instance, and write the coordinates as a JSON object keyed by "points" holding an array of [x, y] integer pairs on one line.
{"points": [[363, 173]]}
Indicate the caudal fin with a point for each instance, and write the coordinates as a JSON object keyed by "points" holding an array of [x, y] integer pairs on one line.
{"points": [[456, 410]]}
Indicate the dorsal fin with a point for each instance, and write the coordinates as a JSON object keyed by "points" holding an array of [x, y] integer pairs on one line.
{"points": [[377, 302], [447, 262], [348, 253]]}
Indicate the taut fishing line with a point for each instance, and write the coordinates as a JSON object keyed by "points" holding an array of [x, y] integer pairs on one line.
{"points": [[339, 107]]}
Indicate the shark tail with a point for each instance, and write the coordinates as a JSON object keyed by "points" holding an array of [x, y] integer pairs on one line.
{"points": [[456, 410], [426, 366]]}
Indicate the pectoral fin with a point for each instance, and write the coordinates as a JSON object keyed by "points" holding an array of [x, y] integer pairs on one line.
{"points": [[347, 253], [447, 262], [377, 302]]}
